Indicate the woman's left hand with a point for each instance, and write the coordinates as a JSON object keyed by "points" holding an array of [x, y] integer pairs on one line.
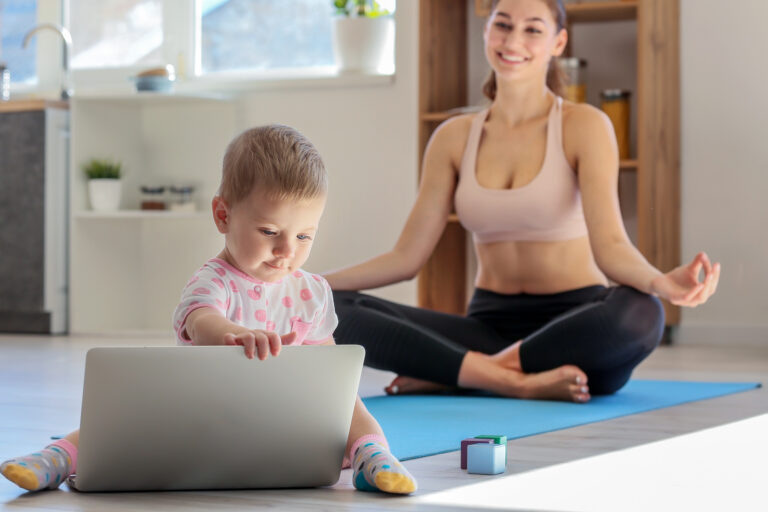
{"points": [[682, 287]]}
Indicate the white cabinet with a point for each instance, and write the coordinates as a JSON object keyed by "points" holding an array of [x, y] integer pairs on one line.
{"points": [[127, 268]]}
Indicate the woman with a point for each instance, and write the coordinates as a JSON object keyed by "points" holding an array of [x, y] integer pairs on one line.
{"points": [[534, 178]]}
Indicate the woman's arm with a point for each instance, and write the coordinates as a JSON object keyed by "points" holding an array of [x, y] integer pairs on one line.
{"points": [[597, 162], [425, 223]]}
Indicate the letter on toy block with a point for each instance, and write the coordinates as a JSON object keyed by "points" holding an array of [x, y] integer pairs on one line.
{"points": [[467, 442], [486, 458]]}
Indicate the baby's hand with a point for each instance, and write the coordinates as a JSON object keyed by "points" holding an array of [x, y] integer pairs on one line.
{"points": [[261, 343]]}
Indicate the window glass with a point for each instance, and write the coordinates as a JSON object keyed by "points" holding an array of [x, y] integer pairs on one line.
{"points": [[114, 33], [16, 18], [267, 34]]}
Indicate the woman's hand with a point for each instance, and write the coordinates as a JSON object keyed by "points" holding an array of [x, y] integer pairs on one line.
{"points": [[258, 342], [682, 287]]}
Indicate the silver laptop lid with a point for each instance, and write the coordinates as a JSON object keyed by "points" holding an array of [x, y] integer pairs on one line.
{"points": [[209, 418]]}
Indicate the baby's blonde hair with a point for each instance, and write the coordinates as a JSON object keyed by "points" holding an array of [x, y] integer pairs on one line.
{"points": [[277, 160]]}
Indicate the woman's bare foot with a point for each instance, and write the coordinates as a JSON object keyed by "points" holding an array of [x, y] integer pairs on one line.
{"points": [[408, 385], [481, 371], [566, 382]]}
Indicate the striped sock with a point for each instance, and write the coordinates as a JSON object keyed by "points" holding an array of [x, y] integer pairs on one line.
{"points": [[376, 469], [44, 469]]}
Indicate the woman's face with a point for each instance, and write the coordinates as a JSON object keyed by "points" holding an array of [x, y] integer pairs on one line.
{"points": [[521, 37]]}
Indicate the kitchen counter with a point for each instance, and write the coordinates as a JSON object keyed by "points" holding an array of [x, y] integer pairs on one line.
{"points": [[31, 104]]}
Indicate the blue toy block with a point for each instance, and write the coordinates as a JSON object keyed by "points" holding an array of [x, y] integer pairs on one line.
{"points": [[467, 442], [486, 458]]}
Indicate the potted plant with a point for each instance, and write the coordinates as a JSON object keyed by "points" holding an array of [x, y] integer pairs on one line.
{"points": [[361, 32], [104, 184]]}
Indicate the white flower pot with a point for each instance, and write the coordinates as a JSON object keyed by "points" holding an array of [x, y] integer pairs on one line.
{"points": [[361, 44], [104, 194]]}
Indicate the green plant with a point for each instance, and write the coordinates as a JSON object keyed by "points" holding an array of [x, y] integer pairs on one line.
{"points": [[359, 8], [96, 169]]}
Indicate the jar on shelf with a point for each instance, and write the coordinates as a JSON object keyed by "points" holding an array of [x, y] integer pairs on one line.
{"points": [[181, 199], [152, 198], [575, 70], [615, 103]]}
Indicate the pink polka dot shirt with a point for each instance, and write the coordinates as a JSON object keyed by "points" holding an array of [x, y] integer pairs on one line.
{"points": [[301, 302]]}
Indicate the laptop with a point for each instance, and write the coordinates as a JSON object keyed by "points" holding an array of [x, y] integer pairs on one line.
{"points": [[179, 418]]}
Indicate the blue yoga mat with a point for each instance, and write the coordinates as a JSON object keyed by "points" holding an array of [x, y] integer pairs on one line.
{"points": [[422, 425]]}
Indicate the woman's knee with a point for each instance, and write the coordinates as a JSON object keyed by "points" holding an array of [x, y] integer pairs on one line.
{"points": [[639, 318]]}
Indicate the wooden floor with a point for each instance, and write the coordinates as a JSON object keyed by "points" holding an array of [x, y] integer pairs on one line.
{"points": [[620, 460]]}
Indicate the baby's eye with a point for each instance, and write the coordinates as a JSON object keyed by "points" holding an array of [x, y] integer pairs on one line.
{"points": [[268, 232], [304, 237]]}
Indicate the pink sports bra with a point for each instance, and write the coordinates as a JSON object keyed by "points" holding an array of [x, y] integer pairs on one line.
{"points": [[547, 208]]}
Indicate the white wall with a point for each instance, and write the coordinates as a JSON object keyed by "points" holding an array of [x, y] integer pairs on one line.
{"points": [[367, 136], [725, 156]]}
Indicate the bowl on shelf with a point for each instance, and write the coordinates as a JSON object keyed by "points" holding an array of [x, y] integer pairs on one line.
{"points": [[156, 79]]}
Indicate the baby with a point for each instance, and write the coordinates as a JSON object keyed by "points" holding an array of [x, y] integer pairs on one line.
{"points": [[268, 207]]}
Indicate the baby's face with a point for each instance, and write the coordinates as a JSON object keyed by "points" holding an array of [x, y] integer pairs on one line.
{"points": [[270, 238]]}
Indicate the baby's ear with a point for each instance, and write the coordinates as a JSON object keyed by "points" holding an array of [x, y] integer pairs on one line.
{"points": [[220, 211]]}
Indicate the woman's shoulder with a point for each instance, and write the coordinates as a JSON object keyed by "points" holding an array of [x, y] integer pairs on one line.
{"points": [[451, 135], [582, 116], [455, 127], [584, 126]]}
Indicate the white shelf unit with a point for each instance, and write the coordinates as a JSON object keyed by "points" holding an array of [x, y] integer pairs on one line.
{"points": [[141, 215], [131, 96], [127, 268]]}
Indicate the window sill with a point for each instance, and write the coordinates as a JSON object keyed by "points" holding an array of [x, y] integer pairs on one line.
{"points": [[310, 78], [228, 86]]}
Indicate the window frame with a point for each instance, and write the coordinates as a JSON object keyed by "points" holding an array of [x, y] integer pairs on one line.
{"points": [[48, 65], [182, 29]]}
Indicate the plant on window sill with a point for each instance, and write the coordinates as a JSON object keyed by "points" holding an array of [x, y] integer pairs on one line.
{"points": [[360, 8]]}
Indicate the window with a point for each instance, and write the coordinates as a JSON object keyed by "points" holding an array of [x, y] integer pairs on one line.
{"points": [[16, 18], [116, 33], [114, 39], [264, 34]]}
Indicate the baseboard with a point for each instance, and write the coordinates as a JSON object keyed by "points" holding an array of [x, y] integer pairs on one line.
{"points": [[702, 334]]}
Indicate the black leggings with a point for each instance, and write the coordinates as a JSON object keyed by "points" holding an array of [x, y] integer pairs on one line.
{"points": [[606, 332]]}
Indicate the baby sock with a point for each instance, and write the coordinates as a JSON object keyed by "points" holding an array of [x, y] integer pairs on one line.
{"points": [[44, 469], [376, 469]]}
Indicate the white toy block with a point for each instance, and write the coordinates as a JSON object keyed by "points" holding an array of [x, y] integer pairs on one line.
{"points": [[487, 458]]}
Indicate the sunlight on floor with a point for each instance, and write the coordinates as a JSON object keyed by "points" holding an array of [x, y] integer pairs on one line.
{"points": [[721, 468]]}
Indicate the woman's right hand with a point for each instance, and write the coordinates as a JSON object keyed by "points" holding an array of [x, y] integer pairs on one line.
{"points": [[258, 342]]}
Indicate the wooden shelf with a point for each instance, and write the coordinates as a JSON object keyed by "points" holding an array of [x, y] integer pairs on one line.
{"points": [[583, 11], [601, 11], [25, 105], [628, 165], [443, 87]]}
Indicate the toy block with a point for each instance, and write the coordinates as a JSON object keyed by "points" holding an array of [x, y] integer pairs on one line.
{"points": [[496, 439], [486, 458], [467, 442]]}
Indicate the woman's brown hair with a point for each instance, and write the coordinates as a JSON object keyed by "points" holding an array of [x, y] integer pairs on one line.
{"points": [[555, 75]]}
